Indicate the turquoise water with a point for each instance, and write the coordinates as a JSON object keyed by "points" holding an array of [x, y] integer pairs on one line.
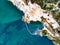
{"points": [[13, 30]]}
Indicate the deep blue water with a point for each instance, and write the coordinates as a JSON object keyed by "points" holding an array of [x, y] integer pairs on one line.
{"points": [[13, 30], [33, 26]]}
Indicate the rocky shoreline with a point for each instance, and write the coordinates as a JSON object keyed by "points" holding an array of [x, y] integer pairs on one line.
{"points": [[34, 12]]}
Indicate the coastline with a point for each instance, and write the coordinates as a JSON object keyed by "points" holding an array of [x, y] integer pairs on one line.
{"points": [[46, 23]]}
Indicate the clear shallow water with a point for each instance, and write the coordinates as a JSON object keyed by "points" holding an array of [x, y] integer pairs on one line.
{"points": [[13, 31]]}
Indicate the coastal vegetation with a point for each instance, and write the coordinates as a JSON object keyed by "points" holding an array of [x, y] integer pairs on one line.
{"points": [[26, 2], [43, 3], [58, 30], [44, 32], [56, 15], [49, 7], [59, 5], [57, 41]]}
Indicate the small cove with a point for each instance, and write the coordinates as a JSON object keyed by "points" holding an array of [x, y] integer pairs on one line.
{"points": [[13, 30]]}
